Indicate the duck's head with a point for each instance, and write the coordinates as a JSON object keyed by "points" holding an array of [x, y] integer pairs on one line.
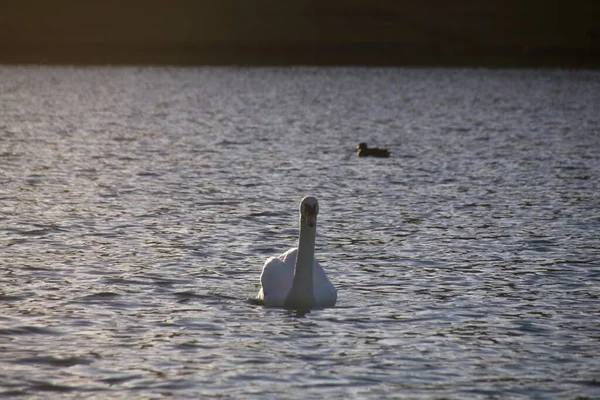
{"points": [[309, 208], [361, 146]]}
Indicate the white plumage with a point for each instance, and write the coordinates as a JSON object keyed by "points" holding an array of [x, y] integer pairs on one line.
{"points": [[295, 279], [278, 274]]}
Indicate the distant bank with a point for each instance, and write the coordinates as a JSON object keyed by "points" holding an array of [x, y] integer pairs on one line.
{"points": [[258, 54], [305, 32]]}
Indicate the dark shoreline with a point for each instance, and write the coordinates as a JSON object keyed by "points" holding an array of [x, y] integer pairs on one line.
{"points": [[289, 55], [511, 33]]}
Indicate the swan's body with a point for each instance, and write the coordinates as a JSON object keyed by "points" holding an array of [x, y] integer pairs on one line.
{"points": [[278, 275], [295, 279]]}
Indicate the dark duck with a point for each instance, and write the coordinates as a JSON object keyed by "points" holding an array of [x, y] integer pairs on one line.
{"points": [[364, 151]]}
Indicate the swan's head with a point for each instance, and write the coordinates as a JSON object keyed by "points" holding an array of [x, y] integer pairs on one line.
{"points": [[309, 208]]}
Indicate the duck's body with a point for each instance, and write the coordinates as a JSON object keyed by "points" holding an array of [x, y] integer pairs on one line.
{"points": [[364, 151], [295, 279]]}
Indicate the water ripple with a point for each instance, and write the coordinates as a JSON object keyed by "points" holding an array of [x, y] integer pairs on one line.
{"points": [[139, 204]]}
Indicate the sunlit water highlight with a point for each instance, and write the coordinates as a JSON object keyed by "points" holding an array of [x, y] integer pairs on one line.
{"points": [[137, 206]]}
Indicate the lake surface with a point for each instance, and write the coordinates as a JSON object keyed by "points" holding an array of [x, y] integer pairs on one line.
{"points": [[138, 205]]}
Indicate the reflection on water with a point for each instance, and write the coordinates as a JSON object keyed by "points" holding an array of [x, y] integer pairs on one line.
{"points": [[138, 205]]}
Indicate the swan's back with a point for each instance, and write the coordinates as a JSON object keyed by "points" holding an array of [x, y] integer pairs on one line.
{"points": [[278, 274]]}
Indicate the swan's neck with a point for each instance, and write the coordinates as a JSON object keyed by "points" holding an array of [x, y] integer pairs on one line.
{"points": [[301, 295]]}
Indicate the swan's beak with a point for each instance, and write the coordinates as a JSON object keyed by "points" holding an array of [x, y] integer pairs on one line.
{"points": [[311, 219], [310, 212]]}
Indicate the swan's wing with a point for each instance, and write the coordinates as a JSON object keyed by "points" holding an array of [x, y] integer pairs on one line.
{"points": [[324, 291], [276, 279]]}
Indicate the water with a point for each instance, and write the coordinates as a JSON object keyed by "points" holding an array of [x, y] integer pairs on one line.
{"points": [[137, 206]]}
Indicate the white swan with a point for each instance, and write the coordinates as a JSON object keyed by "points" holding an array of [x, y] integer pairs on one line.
{"points": [[295, 279]]}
